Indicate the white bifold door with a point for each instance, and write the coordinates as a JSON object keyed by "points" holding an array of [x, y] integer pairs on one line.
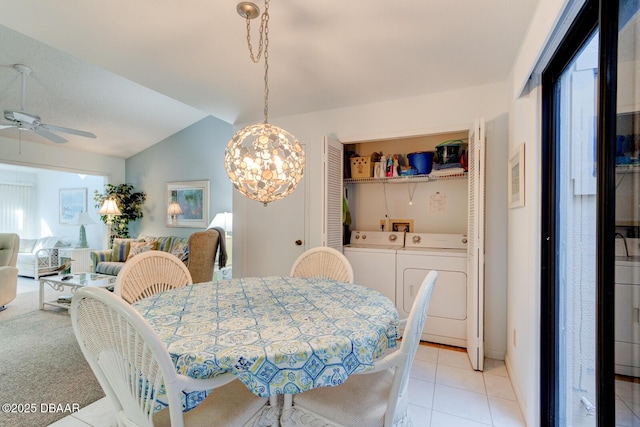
{"points": [[475, 246]]}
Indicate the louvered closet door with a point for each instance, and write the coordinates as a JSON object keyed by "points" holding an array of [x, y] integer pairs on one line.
{"points": [[333, 162], [475, 246]]}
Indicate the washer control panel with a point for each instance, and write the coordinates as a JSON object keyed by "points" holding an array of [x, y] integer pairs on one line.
{"points": [[436, 241], [377, 238]]}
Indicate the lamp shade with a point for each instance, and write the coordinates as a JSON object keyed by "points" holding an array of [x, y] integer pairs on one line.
{"points": [[109, 207], [174, 209], [83, 218], [223, 220]]}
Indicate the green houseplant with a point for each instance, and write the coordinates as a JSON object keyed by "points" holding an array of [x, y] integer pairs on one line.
{"points": [[129, 202]]}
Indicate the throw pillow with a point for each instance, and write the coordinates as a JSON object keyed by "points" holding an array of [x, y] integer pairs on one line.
{"points": [[164, 243], [27, 245], [138, 249], [121, 248], [181, 250]]}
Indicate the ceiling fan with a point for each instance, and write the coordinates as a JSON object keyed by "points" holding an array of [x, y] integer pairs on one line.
{"points": [[31, 122]]}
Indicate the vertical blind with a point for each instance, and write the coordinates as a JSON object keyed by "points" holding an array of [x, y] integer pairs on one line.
{"points": [[15, 208]]}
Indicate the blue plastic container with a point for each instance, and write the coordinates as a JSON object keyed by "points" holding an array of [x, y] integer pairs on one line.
{"points": [[422, 161]]}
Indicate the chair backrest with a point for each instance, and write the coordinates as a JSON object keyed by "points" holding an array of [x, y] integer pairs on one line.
{"points": [[9, 246], [127, 357], [323, 262], [203, 246], [151, 272], [398, 399]]}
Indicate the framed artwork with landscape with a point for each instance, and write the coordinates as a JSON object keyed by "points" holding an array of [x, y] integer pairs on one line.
{"points": [[72, 202], [193, 198]]}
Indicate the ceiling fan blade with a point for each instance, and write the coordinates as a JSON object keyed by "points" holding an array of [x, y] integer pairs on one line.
{"points": [[22, 117], [7, 126], [68, 130], [49, 135]]}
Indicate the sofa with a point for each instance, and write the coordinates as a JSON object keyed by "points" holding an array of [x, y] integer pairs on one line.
{"points": [[197, 251], [39, 257], [9, 243]]}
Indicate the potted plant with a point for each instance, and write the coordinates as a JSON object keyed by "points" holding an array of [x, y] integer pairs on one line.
{"points": [[129, 202]]}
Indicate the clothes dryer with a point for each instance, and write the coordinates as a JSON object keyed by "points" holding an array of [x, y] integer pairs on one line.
{"points": [[372, 255], [447, 315]]}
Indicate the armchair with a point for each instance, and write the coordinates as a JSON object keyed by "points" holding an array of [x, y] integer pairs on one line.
{"points": [[9, 244]]}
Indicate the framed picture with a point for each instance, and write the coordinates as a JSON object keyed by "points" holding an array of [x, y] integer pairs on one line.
{"points": [[193, 199], [401, 225], [516, 178], [72, 202]]}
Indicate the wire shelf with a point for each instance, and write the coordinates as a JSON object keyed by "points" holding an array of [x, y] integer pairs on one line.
{"points": [[405, 179]]}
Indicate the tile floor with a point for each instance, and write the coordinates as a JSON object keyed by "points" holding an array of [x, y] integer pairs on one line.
{"points": [[444, 391]]}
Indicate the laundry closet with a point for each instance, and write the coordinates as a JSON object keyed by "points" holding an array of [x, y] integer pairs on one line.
{"points": [[401, 227]]}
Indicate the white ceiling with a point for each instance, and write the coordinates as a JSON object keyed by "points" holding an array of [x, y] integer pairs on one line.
{"points": [[136, 72]]}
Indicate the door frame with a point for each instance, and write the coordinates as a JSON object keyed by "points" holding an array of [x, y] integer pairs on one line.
{"points": [[602, 16]]}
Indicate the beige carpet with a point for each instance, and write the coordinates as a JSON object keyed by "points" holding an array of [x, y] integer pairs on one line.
{"points": [[41, 364]]}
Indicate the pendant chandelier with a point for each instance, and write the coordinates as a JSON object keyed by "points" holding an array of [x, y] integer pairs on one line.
{"points": [[264, 162]]}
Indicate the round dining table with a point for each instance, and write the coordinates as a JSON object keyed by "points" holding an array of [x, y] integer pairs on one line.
{"points": [[278, 335]]}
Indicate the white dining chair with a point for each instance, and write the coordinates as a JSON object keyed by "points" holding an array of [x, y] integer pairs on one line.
{"points": [[151, 272], [325, 263], [132, 365], [374, 398]]}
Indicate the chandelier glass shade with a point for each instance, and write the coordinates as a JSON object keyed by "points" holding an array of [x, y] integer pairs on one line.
{"points": [[264, 162]]}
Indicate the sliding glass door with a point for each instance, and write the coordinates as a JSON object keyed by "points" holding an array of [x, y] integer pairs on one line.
{"points": [[627, 217], [591, 223]]}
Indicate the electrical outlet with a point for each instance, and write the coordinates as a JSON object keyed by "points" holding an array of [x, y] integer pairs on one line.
{"points": [[383, 224]]}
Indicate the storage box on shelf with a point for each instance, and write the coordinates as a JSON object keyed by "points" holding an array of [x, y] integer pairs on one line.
{"points": [[361, 167]]}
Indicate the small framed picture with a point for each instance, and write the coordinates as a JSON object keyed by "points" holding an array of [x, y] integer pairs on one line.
{"points": [[192, 197], [401, 225], [72, 202], [516, 178]]}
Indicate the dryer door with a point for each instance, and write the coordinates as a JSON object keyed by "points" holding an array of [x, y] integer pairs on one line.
{"points": [[447, 315]]}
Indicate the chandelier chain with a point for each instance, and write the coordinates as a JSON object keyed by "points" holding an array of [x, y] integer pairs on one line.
{"points": [[264, 162], [263, 48]]}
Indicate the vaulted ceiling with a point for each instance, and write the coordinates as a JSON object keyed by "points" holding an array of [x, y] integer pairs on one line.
{"points": [[136, 72]]}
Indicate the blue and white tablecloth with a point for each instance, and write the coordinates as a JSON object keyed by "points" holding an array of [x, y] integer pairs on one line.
{"points": [[278, 335]]}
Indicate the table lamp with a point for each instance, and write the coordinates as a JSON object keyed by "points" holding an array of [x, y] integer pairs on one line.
{"points": [[109, 208], [174, 210], [82, 219], [223, 220]]}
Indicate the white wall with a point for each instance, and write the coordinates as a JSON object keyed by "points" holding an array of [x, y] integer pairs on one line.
{"points": [[59, 168], [48, 194], [46, 185], [194, 153], [60, 158], [420, 115], [523, 262], [523, 226]]}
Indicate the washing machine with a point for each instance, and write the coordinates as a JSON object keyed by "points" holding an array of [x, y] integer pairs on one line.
{"points": [[447, 315], [372, 255]]}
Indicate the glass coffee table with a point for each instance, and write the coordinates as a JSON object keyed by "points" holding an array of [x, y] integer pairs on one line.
{"points": [[72, 282]]}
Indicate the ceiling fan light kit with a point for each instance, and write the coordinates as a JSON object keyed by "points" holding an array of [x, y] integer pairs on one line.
{"points": [[32, 122], [264, 162]]}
